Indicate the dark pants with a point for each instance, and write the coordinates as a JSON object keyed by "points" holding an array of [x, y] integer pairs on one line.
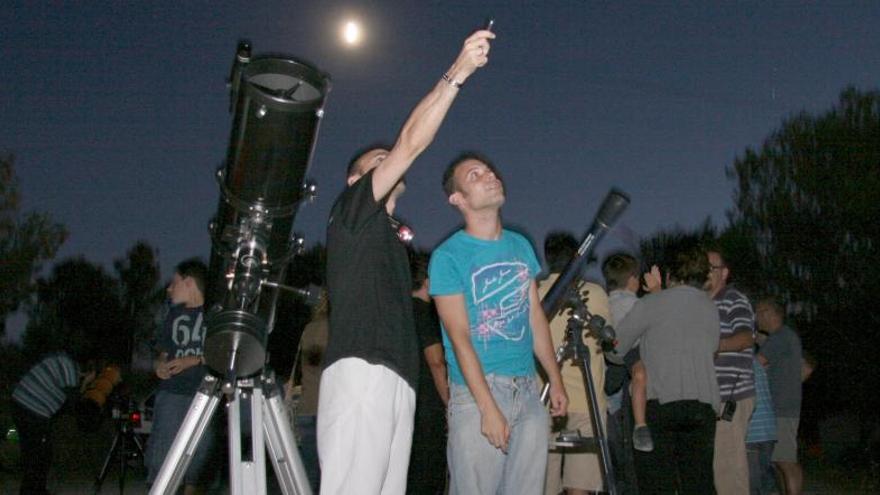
{"points": [[307, 429], [427, 470], [35, 439], [619, 430], [684, 437]]}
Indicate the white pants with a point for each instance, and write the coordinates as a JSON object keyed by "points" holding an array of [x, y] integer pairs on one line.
{"points": [[365, 428]]}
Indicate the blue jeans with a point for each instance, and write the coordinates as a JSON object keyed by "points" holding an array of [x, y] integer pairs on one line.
{"points": [[761, 478], [169, 410], [475, 466]]}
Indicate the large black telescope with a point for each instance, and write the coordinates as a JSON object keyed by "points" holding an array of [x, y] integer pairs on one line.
{"points": [[277, 105], [612, 207]]}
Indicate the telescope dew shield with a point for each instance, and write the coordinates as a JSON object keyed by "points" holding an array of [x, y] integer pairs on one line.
{"points": [[278, 105]]}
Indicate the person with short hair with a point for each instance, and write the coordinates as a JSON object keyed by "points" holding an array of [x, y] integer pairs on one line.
{"points": [[678, 328], [761, 435], [367, 397], [622, 275], [484, 287], [577, 473], [180, 368], [736, 380], [783, 357], [37, 399]]}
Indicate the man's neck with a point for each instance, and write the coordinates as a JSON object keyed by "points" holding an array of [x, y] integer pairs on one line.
{"points": [[194, 302], [485, 225], [718, 290]]}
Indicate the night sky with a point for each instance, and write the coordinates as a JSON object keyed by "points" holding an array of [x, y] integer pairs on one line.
{"points": [[117, 111]]}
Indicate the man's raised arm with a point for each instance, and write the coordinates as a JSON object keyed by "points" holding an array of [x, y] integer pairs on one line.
{"points": [[422, 125]]}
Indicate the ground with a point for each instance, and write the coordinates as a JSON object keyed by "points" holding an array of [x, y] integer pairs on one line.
{"points": [[79, 456]]}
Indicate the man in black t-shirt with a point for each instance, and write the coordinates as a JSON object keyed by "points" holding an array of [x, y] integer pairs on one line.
{"points": [[427, 461], [367, 396]]}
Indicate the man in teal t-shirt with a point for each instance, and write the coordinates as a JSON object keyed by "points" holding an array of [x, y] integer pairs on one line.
{"points": [[483, 283]]}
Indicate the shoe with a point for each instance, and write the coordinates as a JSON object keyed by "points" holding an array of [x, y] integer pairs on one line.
{"points": [[642, 440]]}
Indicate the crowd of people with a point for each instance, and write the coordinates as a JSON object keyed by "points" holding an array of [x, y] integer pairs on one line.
{"points": [[422, 375]]}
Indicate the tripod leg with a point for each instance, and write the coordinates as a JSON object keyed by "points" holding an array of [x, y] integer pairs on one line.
{"points": [[123, 461], [283, 450], [138, 445], [99, 481], [246, 476], [191, 430], [596, 419]]}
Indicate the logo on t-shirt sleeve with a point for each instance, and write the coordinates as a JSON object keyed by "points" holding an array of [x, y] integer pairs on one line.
{"points": [[500, 293]]}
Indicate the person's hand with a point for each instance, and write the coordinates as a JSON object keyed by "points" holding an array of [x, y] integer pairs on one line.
{"points": [[474, 54], [558, 400], [162, 371], [494, 427], [653, 280], [180, 364], [87, 380]]}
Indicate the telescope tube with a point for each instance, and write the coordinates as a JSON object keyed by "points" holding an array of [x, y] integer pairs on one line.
{"points": [[613, 206], [278, 104]]}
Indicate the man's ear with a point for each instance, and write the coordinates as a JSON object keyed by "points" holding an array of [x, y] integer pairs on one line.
{"points": [[455, 198]]}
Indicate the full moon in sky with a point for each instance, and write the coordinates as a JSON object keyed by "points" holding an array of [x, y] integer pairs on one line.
{"points": [[351, 33]]}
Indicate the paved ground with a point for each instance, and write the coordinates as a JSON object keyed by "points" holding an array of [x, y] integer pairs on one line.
{"points": [[844, 485], [77, 464]]}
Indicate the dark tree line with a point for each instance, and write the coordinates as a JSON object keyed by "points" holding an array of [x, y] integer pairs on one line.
{"points": [[27, 240], [81, 308], [810, 199], [805, 229]]}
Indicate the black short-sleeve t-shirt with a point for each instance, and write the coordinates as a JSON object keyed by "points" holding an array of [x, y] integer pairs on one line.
{"points": [[368, 281], [428, 332]]}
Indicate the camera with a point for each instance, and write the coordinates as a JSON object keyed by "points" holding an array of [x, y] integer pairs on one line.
{"points": [[728, 411]]}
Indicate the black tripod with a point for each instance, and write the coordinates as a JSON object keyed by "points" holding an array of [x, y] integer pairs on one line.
{"points": [[126, 447], [574, 348]]}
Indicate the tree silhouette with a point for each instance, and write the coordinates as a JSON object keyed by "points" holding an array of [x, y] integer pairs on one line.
{"points": [[810, 200], [78, 309], [141, 294], [26, 241], [659, 248]]}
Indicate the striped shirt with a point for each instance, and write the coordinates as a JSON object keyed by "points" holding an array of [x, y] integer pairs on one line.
{"points": [[736, 379], [41, 389], [762, 426]]}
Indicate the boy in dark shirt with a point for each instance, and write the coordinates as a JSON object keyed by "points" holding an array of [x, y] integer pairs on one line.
{"points": [[180, 367]]}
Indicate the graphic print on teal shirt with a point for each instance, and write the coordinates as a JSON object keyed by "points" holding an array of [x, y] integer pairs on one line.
{"points": [[500, 292], [494, 277]]}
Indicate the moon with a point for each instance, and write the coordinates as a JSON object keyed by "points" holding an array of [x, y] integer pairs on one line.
{"points": [[351, 33]]}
